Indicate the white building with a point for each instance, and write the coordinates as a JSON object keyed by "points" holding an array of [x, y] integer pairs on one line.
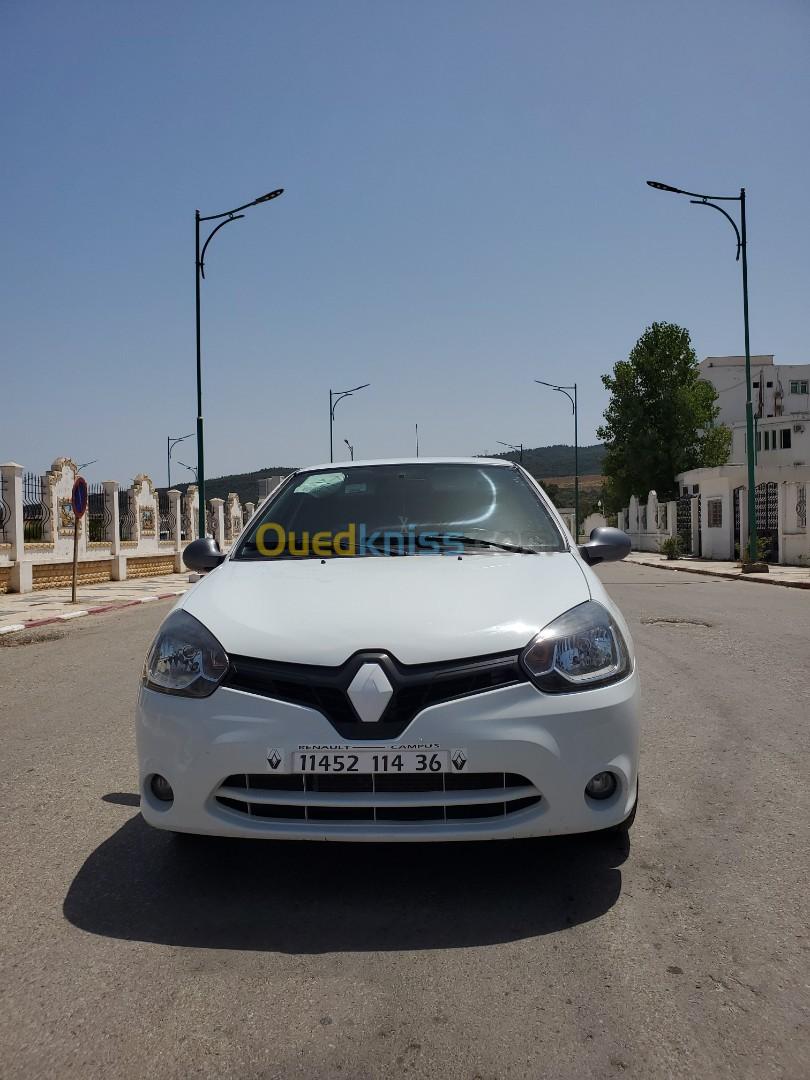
{"points": [[779, 440], [777, 390], [719, 504]]}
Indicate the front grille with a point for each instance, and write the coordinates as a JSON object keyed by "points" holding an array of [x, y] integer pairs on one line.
{"points": [[415, 686], [377, 797]]}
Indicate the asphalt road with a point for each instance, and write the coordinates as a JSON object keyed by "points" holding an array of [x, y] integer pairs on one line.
{"points": [[685, 954]]}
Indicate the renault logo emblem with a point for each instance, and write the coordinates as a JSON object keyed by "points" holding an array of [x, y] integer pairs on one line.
{"points": [[369, 692]]}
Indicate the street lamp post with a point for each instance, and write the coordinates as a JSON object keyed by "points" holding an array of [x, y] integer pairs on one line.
{"points": [[171, 442], [334, 397], [190, 468], [223, 219], [712, 200], [515, 449], [573, 400], [351, 449]]}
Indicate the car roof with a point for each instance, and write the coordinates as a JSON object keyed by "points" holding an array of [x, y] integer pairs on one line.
{"points": [[408, 461]]}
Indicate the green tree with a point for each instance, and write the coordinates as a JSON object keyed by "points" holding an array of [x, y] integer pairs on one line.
{"points": [[661, 419]]}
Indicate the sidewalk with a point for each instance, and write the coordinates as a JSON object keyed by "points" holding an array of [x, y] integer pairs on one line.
{"points": [[791, 577], [20, 611]]}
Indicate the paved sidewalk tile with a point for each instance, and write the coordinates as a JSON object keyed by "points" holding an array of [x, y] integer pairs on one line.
{"points": [[18, 611], [795, 577]]}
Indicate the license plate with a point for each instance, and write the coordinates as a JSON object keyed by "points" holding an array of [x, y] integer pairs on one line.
{"points": [[374, 761]]}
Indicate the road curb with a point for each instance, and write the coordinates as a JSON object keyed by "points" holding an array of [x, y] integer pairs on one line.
{"points": [[724, 574], [102, 609]]}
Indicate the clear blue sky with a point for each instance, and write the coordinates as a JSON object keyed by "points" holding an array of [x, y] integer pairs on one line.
{"points": [[465, 210]]}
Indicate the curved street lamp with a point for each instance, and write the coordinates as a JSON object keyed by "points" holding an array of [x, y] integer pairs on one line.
{"points": [[171, 442], [190, 468], [334, 397], [712, 200], [516, 449], [573, 400], [224, 219], [351, 449]]}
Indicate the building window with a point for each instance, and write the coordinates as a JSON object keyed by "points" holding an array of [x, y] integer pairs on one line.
{"points": [[759, 440], [755, 385], [768, 384], [695, 489], [784, 438], [714, 511], [798, 386]]}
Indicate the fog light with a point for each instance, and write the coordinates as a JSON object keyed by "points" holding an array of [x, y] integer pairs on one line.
{"points": [[161, 788], [601, 786]]}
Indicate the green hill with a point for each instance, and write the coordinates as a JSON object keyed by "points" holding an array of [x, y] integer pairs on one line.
{"points": [[558, 460], [246, 485]]}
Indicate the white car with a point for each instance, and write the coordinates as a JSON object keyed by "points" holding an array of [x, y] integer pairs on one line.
{"points": [[398, 650]]}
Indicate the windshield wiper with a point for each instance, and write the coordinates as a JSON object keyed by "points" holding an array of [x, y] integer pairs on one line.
{"points": [[479, 541]]}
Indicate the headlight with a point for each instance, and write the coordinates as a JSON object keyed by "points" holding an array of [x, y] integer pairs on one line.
{"points": [[185, 658], [582, 649]]}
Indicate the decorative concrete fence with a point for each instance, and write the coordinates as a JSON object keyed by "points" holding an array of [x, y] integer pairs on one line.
{"points": [[134, 531], [711, 515], [649, 523]]}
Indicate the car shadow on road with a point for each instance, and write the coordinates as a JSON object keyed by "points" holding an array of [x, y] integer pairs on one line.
{"points": [[307, 897]]}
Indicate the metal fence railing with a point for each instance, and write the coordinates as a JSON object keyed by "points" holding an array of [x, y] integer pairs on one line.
{"points": [[186, 523], [99, 514], [165, 516], [127, 518], [36, 511], [5, 512]]}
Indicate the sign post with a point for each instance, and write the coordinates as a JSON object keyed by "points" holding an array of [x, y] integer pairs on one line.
{"points": [[78, 501]]}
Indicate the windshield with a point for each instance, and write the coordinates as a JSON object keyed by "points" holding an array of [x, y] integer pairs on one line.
{"points": [[411, 509]]}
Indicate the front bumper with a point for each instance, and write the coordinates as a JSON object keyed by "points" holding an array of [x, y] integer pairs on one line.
{"points": [[556, 742]]}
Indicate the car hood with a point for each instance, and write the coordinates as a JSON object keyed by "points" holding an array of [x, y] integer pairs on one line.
{"points": [[418, 608]]}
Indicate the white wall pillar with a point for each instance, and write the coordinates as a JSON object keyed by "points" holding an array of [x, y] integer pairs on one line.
{"points": [[672, 518], [695, 507], [12, 475], [118, 562], [174, 497], [21, 578], [111, 499], [192, 512], [218, 514], [782, 520], [176, 527]]}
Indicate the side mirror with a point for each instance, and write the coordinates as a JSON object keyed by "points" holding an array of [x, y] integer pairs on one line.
{"points": [[202, 555], [605, 545]]}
